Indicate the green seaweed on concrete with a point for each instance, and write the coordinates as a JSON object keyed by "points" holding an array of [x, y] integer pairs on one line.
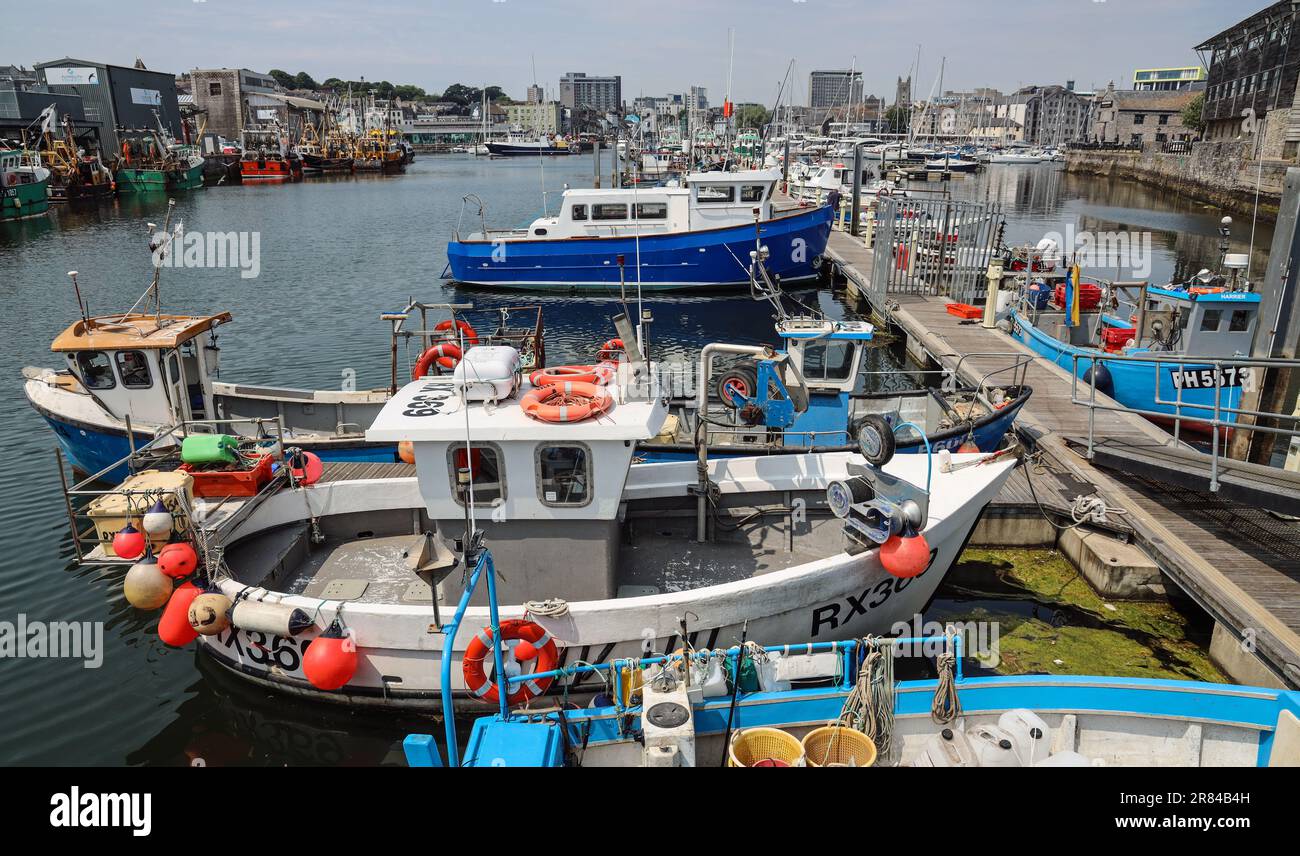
{"points": [[1066, 628]]}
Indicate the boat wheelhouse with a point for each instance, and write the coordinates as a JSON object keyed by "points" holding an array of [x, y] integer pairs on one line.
{"points": [[698, 235]]}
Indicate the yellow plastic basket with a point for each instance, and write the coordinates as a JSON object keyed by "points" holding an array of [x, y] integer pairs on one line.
{"points": [[837, 746], [755, 747]]}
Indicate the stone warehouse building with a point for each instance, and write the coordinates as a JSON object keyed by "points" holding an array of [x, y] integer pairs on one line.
{"points": [[1251, 86], [233, 98], [1129, 117]]}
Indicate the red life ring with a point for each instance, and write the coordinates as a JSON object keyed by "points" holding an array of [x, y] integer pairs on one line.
{"points": [[610, 350], [540, 645], [463, 328], [447, 355], [601, 374], [571, 401]]}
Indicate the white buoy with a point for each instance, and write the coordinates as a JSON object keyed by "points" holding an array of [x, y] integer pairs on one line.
{"points": [[158, 520], [210, 613]]}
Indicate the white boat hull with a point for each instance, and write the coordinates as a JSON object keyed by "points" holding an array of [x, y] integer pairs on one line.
{"points": [[836, 597]]}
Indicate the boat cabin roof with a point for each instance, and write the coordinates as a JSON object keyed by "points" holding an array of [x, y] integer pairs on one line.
{"points": [[819, 328], [417, 413], [1204, 296], [744, 176], [135, 331]]}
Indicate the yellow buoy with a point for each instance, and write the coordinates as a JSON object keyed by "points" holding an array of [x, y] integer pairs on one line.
{"points": [[145, 586], [210, 613]]}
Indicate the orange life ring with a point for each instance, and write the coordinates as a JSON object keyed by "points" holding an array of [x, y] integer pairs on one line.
{"points": [[570, 401], [541, 645], [599, 374], [610, 350], [447, 355], [462, 327]]}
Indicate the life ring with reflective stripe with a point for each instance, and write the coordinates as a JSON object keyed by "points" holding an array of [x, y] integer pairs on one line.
{"points": [[462, 327], [599, 374], [610, 350], [570, 401], [447, 355], [535, 642]]}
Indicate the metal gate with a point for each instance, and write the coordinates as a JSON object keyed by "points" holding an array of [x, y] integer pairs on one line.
{"points": [[935, 247]]}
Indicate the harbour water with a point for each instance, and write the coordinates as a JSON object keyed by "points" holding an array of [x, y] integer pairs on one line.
{"points": [[334, 253]]}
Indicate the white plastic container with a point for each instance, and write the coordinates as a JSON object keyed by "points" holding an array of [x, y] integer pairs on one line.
{"points": [[488, 373], [948, 748], [992, 746], [1030, 735]]}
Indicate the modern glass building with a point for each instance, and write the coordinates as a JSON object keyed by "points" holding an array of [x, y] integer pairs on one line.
{"points": [[1168, 79]]}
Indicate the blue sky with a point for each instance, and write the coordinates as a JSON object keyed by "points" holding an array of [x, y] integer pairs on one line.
{"points": [[658, 47]]}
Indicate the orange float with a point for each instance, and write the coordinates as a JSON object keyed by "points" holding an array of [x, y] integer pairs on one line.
{"points": [[534, 643], [446, 353], [610, 350], [463, 329], [601, 374], [571, 401]]}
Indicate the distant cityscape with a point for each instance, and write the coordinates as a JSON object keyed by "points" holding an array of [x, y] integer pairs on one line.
{"points": [[105, 101]]}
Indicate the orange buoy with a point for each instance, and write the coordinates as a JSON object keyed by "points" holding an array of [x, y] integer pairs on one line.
{"points": [[406, 452], [306, 467], [600, 374], [566, 402], [905, 556], [610, 350], [447, 355], [540, 646], [968, 447], [178, 559], [174, 627], [463, 329], [331, 659]]}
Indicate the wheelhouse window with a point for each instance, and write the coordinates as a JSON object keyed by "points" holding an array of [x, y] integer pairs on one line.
{"points": [[95, 370], [608, 211], [752, 193], [652, 211], [1240, 321], [133, 368], [578, 212], [479, 469], [828, 361], [715, 193], [1210, 320], [564, 475]]}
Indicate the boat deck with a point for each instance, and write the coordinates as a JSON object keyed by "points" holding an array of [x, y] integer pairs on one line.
{"points": [[1250, 586]]}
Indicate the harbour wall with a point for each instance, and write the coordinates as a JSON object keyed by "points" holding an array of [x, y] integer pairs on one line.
{"points": [[1222, 173]]}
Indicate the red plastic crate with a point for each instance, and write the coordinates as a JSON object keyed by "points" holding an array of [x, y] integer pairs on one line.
{"points": [[965, 310], [1115, 338], [1089, 296], [222, 483]]}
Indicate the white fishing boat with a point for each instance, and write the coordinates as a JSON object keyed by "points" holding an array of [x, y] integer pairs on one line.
{"points": [[597, 555]]}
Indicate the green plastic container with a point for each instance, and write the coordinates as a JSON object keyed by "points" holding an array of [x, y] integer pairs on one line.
{"points": [[209, 449]]}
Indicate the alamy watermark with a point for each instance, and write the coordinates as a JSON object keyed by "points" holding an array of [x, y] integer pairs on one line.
{"points": [[57, 640], [1119, 249], [979, 639], [241, 250]]}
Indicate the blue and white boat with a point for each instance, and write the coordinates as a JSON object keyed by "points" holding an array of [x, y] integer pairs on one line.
{"points": [[808, 396], [695, 236], [1170, 335], [831, 704]]}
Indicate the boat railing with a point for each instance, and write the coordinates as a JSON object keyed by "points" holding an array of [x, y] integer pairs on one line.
{"points": [[166, 440], [1220, 415]]}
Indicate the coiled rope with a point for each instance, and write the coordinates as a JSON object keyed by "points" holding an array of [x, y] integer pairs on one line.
{"points": [[946, 705], [869, 707]]}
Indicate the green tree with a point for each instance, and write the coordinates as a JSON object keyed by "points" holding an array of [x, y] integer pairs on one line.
{"points": [[283, 78], [752, 116], [896, 119], [303, 80], [1193, 113]]}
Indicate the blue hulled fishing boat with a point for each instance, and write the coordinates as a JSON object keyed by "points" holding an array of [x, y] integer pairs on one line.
{"points": [[1153, 349], [697, 235]]}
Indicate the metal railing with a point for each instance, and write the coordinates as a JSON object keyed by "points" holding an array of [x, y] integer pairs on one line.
{"points": [[77, 497], [1219, 416], [934, 247]]}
